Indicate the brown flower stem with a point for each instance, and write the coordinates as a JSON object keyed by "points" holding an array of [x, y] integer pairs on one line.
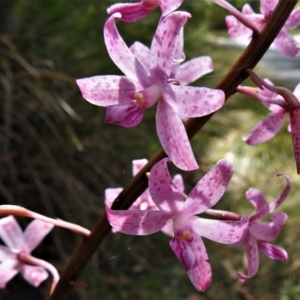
{"points": [[236, 75]]}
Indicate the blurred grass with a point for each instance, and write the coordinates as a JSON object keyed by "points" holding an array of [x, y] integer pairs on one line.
{"points": [[57, 155]]}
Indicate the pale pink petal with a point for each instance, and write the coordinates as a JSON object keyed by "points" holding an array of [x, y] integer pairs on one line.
{"points": [[110, 195], [225, 232], [184, 253], [236, 29], [164, 45], [247, 9], [192, 101], [178, 181], [131, 12], [33, 274], [287, 44], [293, 20], [7, 272], [138, 164], [297, 91], [193, 69], [200, 275], [167, 6], [128, 115], [136, 222], [6, 253], [252, 256], [34, 234], [265, 129], [267, 231], [11, 233], [142, 53], [164, 192], [210, 188], [295, 129], [173, 137], [273, 252], [267, 7], [168, 229], [256, 198], [107, 90], [121, 55]]}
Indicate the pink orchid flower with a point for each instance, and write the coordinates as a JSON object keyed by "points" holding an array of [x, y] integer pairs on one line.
{"points": [[238, 28], [280, 101], [128, 96], [260, 233], [181, 210], [132, 12], [16, 256], [144, 202]]}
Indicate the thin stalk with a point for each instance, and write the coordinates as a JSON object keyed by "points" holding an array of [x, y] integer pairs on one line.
{"points": [[135, 187]]}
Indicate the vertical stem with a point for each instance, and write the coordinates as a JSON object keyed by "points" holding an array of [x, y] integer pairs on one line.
{"points": [[236, 75]]}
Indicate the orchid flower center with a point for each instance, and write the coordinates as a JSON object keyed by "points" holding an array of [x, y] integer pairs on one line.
{"points": [[185, 235]]}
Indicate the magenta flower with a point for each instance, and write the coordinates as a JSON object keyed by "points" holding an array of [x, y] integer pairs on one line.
{"points": [[181, 210], [132, 12], [238, 28], [16, 256], [259, 234], [128, 96]]}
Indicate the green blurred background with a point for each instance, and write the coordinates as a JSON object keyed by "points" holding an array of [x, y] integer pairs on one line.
{"points": [[57, 156]]}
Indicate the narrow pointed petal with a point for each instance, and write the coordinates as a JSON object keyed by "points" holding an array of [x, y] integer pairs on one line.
{"points": [[192, 101], [34, 234], [136, 222], [193, 69], [225, 232], [236, 29], [210, 188], [7, 272], [295, 128], [164, 192], [107, 90], [178, 181], [11, 233], [131, 12], [294, 19], [127, 115], [173, 137], [33, 274], [6, 253], [167, 6], [268, 231], [164, 45], [265, 129], [137, 165], [287, 44], [200, 276], [273, 252], [142, 53], [120, 54], [184, 253], [110, 195], [256, 198], [267, 7], [252, 256]]}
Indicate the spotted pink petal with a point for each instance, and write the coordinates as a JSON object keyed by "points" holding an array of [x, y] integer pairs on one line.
{"points": [[33, 274], [256, 198], [127, 115], [294, 19], [193, 69], [236, 29], [295, 129], [110, 195], [136, 222], [273, 252], [287, 44], [192, 101], [167, 6], [107, 90], [164, 192], [142, 53], [121, 55], [131, 12], [225, 232], [7, 271], [265, 129], [252, 256], [11, 233], [164, 45], [267, 6], [34, 234], [210, 188], [173, 137]]}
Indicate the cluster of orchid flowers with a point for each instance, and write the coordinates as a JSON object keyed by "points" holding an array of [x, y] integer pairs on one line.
{"points": [[159, 75]]}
